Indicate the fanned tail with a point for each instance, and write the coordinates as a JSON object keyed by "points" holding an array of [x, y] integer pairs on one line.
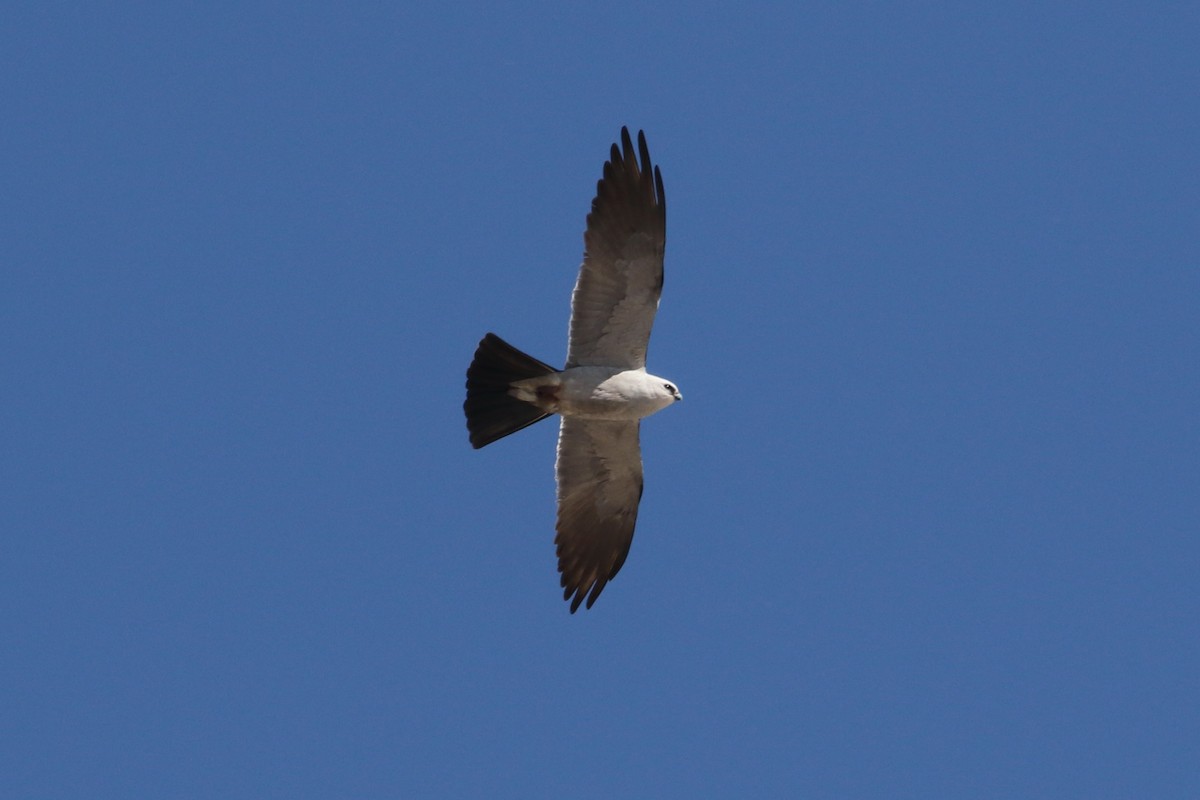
{"points": [[492, 413]]}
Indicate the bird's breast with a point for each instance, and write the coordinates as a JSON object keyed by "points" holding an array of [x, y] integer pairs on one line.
{"points": [[608, 393]]}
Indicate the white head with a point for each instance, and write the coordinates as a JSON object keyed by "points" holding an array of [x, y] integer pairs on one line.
{"points": [[672, 391], [628, 394], [661, 392]]}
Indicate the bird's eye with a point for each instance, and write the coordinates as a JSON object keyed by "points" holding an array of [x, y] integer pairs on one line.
{"points": [[669, 388]]}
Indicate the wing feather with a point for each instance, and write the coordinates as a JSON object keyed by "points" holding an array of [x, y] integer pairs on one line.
{"points": [[621, 278], [599, 471]]}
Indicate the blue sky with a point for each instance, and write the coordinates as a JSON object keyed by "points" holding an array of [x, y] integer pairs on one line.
{"points": [[925, 525]]}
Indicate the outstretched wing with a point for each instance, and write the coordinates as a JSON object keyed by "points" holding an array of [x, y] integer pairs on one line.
{"points": [[599, 472], [620, 280]]}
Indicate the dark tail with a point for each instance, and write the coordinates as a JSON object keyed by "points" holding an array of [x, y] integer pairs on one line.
{"points": [[492, 413]]}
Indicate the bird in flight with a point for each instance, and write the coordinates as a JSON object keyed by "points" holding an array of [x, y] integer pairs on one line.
{"points": [[604, 391]]}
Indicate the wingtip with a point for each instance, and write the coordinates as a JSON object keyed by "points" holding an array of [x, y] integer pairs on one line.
{"points": [[579, 599], [572, 595], [584, 593], [626, 141], [644, 151], [662, 193]]}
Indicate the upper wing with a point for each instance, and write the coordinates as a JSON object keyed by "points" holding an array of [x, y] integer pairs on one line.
{"points": [[599, 472], [620, 281]]}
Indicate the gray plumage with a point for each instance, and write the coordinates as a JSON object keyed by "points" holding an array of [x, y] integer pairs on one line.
{"points": [[604, 390]]}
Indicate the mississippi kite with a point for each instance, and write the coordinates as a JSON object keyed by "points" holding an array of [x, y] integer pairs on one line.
{"points": [[604, 390]]}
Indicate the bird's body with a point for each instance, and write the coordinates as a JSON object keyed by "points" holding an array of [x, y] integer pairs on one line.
{"points": [[610, 393], [604, 390]]}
